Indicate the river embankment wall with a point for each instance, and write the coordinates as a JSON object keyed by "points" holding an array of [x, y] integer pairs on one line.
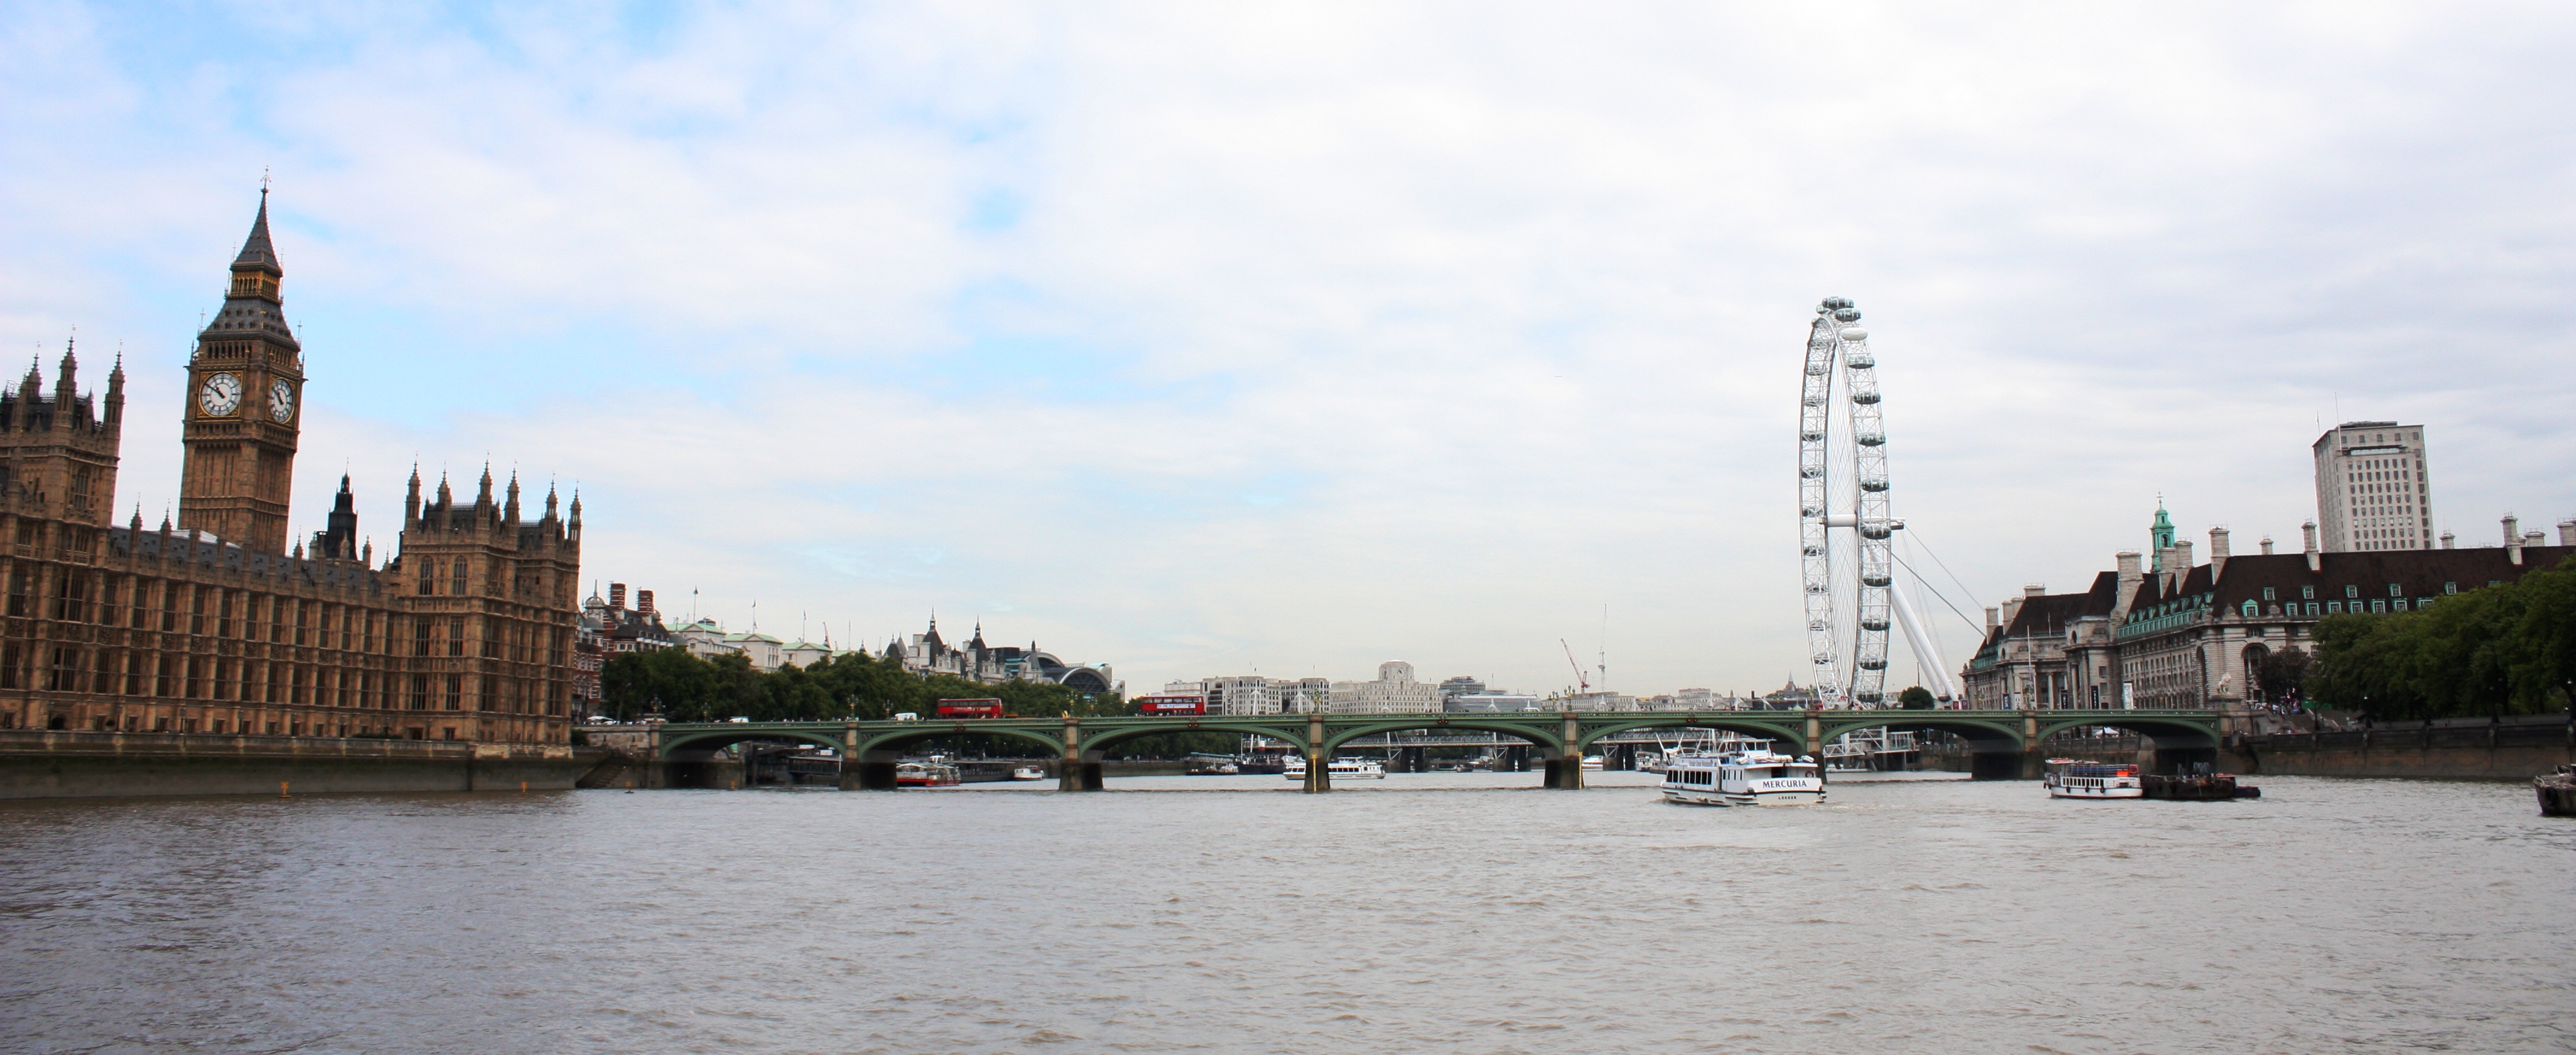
{"points": [[55, 764], [2515, 747]]}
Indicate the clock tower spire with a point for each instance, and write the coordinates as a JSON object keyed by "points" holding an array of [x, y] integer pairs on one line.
{"points": [[245, 404]]}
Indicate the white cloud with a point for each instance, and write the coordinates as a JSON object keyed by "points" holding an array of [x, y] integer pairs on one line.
{"points": [[1199, 339]]}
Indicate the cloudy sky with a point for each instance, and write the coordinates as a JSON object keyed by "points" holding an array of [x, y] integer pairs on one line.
{"points": [[1212, 339]]}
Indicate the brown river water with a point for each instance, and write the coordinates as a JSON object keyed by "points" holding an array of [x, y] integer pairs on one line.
{"points": [[1426, 913]]}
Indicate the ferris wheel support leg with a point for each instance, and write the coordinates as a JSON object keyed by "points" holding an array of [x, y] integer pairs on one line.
{"points": [[1921, 643]]}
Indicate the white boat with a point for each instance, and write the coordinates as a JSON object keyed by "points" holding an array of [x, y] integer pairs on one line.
{"points": [[1338, 769], [1696, 742], [1743, 778], [1028, 773], [2069, 778], [1592, 763]]}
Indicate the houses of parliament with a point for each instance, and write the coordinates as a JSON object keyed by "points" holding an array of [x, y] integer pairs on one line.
{"points": [[214, 625]]}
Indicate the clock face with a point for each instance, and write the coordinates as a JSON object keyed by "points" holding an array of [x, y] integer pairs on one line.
{"points": [[281, 401], [221, 396]]}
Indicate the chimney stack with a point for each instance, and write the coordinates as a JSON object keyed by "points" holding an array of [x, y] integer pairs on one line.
{"points": [[2308, 531], [2534, 539], [1994, 619], [644, 603], [2034, 589], [2512, 529], [2217, 552], [2267, 545], [617, 595], [2567, 532], [2450, 541], [2180, 565]]}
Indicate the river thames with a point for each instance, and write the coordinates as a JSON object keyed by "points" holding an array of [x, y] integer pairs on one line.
{"points": [[1438, 913]]}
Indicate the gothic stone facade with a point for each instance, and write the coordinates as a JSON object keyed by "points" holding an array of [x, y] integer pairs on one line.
{"points": [[212, 626]]}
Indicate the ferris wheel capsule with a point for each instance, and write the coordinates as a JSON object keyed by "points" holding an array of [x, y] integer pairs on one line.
{"points": [[1854, 333]]}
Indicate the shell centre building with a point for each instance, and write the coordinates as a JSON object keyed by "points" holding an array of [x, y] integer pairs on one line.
{"points": [[213, 624]]}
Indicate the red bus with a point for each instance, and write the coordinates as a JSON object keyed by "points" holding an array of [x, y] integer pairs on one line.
{"points": [[970, 708], [1154, 705]]}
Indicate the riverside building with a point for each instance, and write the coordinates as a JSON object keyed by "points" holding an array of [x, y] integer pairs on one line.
{"points": [[2185, 634], [2373, 491], [213, 625]]}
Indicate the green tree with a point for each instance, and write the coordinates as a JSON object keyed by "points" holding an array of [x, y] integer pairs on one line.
{"points": [[1915, 698], [669, 682], [2502, 649]]}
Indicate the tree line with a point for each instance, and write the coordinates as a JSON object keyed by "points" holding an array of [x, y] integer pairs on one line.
{"points": [[678, 686], [2508, 649]]}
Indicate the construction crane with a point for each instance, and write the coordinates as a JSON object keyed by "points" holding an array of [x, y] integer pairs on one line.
{"points": [[1584, 684]]}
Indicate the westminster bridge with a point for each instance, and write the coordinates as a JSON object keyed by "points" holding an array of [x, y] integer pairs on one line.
{"points": [[2006, 744]]}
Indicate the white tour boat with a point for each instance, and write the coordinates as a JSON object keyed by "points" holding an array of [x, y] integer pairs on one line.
{"points": [[1027, 773], [2070, 778], [1338, 769], [1743, 778]]}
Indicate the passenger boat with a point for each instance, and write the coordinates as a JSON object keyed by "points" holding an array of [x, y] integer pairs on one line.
{"points": [[1696, 742], [1743, 778], [2069, 778], [1025, 773], [1592, 763], [925, 775], [1338, 769]]}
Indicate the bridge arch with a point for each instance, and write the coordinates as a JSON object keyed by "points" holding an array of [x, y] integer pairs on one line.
{"points": [[2176, 741], [1789, 730], [687, 757], [1543, 734], [1096, 743], [890, 743], [717, 739]]}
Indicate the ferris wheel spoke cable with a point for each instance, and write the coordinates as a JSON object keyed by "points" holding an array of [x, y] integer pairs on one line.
{"points": [[1913, 537], [1935, 591]]}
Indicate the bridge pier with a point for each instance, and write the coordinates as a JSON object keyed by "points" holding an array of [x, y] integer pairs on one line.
{"points": [[1564, 773], [1319, 761]]}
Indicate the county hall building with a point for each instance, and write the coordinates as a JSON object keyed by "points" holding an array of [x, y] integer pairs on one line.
{"points": [[213, 625]]}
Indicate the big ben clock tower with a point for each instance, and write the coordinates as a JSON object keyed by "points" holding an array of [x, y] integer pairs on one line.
{"points": [[245, 401]]}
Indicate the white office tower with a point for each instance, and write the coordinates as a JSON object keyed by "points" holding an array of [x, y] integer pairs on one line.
{"points": [[2372, 489]]}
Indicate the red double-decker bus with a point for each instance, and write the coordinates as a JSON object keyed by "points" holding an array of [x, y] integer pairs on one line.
{"points": [[970, 708], [1154, 705]]}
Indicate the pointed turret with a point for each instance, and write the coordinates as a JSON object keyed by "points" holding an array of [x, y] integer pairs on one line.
{"points": [[550, 501], [572, 527], [411, 502], [339, 540], [64, 387], [33, 387], [510, 510], [114, 414], [446, 498], [483, 495], [256, 252], [254, 302]]}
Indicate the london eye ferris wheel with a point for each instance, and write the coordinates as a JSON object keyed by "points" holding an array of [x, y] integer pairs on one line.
{"points": [[1845, 532]]}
